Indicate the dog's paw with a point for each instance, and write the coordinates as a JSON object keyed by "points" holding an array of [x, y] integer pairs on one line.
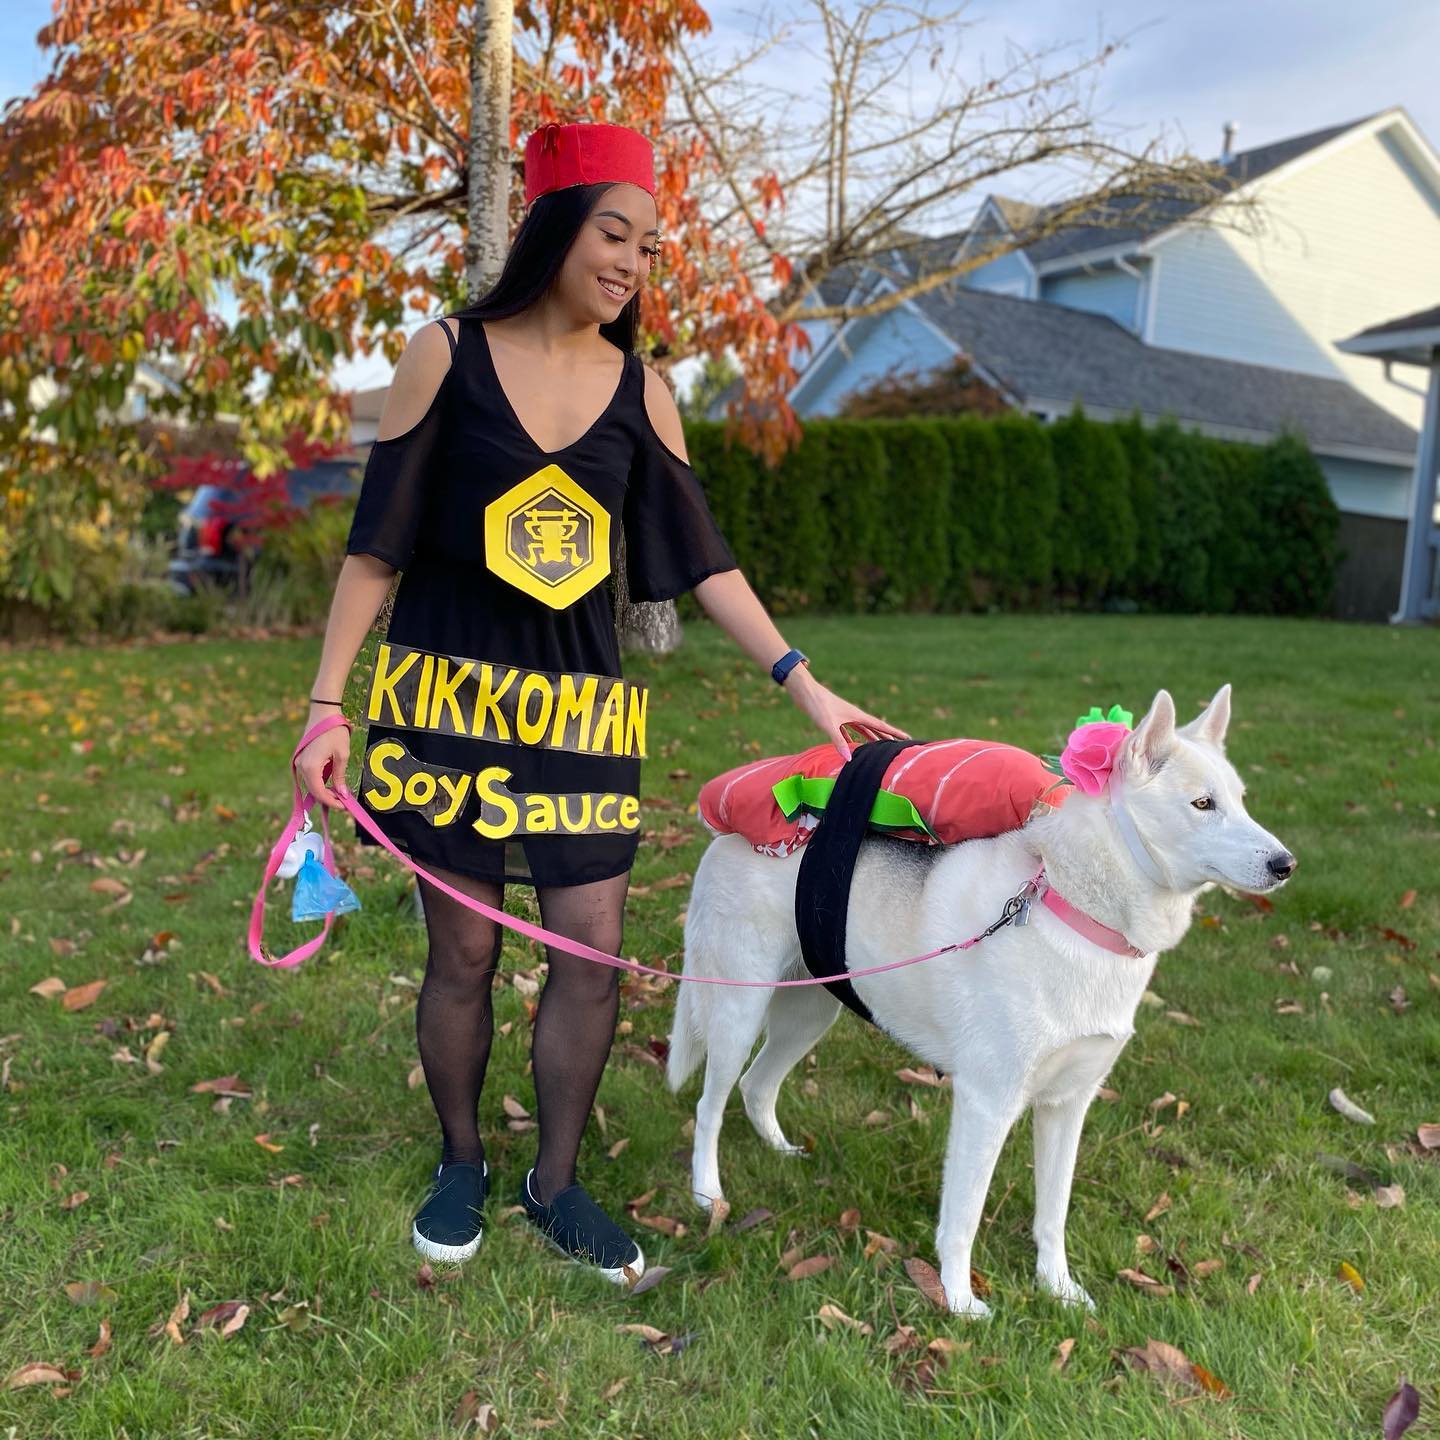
{"points": [[706, 1202], [1065, 1290], [968, 1305]]}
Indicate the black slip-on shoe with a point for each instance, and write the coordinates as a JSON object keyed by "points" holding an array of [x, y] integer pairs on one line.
{"points": [[450, 1224], [578, 1228]]}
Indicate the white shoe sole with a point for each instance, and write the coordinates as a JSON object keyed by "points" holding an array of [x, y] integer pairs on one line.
{"points": [[433, 1250], [453, 1254], [615, 1277]]}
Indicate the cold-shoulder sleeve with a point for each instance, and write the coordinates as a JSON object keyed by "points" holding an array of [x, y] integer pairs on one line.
{"points": [[392, 494], [672, 542]]}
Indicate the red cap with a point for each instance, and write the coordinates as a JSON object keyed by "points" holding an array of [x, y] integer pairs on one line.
{"points": [[557, 156]]}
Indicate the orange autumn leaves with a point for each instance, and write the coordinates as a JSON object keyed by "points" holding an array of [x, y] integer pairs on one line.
{"points": [[159, 146]]}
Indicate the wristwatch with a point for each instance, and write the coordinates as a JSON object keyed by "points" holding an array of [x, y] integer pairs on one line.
{"points": [[786, 663]]}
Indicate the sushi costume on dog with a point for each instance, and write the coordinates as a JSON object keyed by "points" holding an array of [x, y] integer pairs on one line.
{"points": [[504, 741], [936, 793]]}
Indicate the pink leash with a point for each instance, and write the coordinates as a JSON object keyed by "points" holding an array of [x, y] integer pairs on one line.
{"points": [[1017, 906]]}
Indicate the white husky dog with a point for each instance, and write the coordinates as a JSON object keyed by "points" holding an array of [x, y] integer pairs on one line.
{"points": [[1034, 1015]]}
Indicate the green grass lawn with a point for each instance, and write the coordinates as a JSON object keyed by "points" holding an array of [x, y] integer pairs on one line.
{"points": [[142, 787]]}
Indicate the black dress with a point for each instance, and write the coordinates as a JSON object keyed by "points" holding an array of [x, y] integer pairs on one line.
{"points": [[504, 742]]}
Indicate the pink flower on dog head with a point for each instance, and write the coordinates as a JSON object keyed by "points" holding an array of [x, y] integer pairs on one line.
{"points": [[1090, 752]]}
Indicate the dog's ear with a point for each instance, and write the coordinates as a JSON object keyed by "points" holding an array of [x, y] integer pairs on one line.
{"points": [[1147, 747], [1210, 725]]}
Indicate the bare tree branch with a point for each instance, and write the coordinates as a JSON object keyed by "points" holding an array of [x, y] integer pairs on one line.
{"points": [[872, 185]]}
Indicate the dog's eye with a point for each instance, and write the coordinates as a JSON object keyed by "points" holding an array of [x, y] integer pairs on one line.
{"points": [[1205, 802]]}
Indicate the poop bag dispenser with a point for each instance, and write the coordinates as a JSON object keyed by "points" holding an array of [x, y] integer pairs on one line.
{"points": [[318, 893]]}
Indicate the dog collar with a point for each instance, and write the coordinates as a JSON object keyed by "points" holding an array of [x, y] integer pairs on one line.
{"points": [[1086, 925]]}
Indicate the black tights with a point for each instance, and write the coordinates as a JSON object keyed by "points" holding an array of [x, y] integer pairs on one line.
{"points": [[574, 1027]]}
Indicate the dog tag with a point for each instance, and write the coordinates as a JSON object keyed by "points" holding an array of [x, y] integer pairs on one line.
{"points": [[1023, 915]]}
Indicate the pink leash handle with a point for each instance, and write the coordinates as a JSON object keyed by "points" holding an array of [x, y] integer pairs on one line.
{"points": [[255, 936], [303, 801]]}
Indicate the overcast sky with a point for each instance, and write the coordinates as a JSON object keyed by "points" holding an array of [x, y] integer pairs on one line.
{"points": [[1277, 68]]}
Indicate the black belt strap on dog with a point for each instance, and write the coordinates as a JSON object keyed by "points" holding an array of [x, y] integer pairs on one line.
{"points": [[822, 889]]}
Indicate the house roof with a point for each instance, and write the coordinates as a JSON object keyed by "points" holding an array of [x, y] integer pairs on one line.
{"points": [[1128, 219], [1049, 356], [1412, 339]]}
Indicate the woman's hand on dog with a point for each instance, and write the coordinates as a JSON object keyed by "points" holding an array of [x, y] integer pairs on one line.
{"points": [[834, 715]]}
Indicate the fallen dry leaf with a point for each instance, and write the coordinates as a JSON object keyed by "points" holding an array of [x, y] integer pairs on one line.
{"points": [[663, 1223], [719, 1214], [1062, 1353], [225, 1085], [227, 1317], [804, 1269], [832, 1315], [103, 1343], [1429, 1136], [1173, 1369], [49, 988], [1159, 1207], [72, 1202], [514, 1109], [1253, 1283], [83, 995], [927, 1281], [37, 1372], [647, 1333], [470, 1412], [1389, 1197], [1146, 1283], [650, 1279]]}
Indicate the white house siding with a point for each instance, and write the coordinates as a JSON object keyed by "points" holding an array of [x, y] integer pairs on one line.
{"points": [[1008, 275], [1361, 487], [1352, 237], [1101, 292], [878, 344]]}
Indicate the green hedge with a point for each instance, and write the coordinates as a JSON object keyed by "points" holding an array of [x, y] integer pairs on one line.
{"points": [[968, 513]]}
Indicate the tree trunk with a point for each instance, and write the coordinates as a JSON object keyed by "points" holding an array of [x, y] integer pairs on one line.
{"points": [[488, 190]]}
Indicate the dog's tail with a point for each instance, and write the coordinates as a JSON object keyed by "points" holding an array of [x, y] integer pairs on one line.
{"points": [[687, 1038]]}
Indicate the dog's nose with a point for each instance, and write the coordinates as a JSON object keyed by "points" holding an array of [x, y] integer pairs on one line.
{"points": [[1282, 866]]}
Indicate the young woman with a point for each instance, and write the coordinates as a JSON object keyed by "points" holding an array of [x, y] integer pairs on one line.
{"points": [[521, 440]]}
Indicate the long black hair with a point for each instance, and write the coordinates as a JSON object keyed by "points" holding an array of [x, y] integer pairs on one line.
{"points": [[536, 255]]}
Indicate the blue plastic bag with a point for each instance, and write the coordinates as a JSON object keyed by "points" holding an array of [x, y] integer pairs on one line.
{"points": [[318, 893]]}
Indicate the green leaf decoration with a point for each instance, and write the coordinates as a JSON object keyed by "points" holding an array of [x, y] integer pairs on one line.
{"points": [[1117, 716]]}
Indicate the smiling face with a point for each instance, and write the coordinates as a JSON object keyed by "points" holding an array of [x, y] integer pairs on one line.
{"points": [[612, 254], [1189, 803]]}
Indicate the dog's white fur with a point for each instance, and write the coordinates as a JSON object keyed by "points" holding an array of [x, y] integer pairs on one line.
{"points": [[1032, 1016]]}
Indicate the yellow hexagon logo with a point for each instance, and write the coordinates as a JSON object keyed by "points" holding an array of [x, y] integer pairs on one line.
{"points": [[549, 537]]}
